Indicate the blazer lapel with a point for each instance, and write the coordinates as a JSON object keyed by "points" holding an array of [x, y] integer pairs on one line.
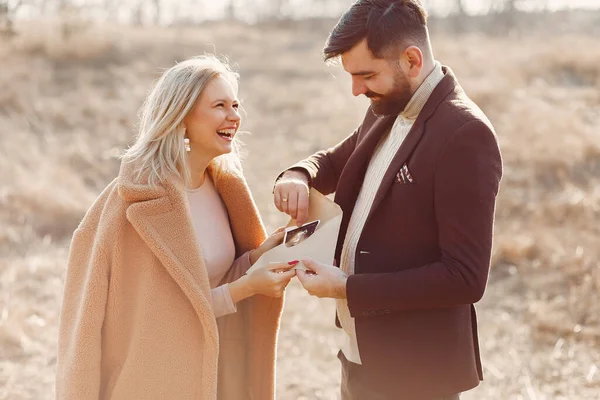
{"points": [[352, 176], [351, 179], [406, 149], [446, 85]]}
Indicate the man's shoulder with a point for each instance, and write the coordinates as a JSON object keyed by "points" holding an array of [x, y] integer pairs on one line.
{"points": [[458, 110]]}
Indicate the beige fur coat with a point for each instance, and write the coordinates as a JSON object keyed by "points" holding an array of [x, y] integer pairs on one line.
{"points": [[137, 320]]}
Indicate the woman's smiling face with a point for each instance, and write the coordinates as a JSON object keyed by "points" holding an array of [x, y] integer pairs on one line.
{"points": [[214, 119]]}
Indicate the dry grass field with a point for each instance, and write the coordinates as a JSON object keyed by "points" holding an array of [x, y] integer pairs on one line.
{"points": [[68, 106]]}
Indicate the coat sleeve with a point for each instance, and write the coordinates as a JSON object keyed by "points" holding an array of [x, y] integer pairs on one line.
{"points": [[324, 168], [221, 296], [467, 177], [81, 319]]}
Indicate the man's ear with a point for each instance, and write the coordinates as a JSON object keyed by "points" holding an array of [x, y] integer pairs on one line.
{"points": [[413, 58]]}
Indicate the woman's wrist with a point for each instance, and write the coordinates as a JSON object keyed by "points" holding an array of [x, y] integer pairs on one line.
{"points": [[241, 289], [254, 256]]}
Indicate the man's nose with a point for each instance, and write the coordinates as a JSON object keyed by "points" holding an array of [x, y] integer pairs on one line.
{"points": [[358, 87]]}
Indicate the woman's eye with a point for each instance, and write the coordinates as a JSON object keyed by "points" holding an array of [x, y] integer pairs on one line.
{"points": [[236, 106], [220, 105]]}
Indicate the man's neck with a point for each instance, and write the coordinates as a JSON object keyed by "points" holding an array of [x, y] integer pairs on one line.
{"points": [[428, 67]]}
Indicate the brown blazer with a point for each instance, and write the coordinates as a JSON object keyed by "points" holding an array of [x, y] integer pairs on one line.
{"points": [[424, 253], [137, 319]]}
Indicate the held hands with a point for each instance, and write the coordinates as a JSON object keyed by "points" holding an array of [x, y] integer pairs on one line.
{"points": [[320, 280], [291, 195], [323, 280]]}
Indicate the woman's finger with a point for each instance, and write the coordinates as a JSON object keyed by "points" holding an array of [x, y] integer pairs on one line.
{"points": [[275, 239], [287, 276], [281, 229], [280, 266]]}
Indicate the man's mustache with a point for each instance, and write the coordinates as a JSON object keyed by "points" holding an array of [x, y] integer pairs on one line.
{"points": [[370, 94]]}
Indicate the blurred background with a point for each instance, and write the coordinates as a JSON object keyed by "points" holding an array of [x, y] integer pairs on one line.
{"points": [[73, 75]]}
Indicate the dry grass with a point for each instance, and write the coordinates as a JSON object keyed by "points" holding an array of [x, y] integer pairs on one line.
{"points": [[68, 106]]}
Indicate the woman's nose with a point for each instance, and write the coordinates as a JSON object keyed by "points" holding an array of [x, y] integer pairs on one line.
{"points": [[234, 115]]}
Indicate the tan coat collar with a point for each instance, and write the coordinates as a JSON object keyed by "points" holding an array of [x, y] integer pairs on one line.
{"points": [[178, 250], [153, 212]]}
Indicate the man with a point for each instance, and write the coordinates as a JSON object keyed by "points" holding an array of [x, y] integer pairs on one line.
{"points": [[417, 182]]}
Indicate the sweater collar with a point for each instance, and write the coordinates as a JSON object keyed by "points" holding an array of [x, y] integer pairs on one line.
{"points": [[420, 97]]}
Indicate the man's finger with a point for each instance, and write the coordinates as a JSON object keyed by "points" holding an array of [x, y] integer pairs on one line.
{"points": [[302, 277], [302, 214], [311, 264], [277, 197], [293, 203], [285, 200]]}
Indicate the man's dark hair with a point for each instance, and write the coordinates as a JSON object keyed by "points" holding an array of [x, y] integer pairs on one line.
{"points": [[386, 24]]}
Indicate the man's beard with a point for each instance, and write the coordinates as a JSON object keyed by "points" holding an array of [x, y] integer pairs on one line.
{"points": [[394, 102]]}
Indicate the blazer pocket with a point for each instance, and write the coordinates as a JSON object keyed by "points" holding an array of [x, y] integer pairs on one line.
{"points": [[404, 176]]}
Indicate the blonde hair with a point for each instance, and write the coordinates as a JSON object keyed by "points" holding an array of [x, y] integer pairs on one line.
{"points": [[159, 150]]}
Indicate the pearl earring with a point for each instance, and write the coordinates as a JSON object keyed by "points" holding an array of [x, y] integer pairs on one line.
{"points": [[186, 143]]}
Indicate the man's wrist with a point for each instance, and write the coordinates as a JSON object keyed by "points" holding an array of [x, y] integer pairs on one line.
{"points": [[340, 290], [296, 174]]}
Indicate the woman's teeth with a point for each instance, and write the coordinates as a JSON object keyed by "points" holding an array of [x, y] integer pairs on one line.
{"points": [[227, 133]]}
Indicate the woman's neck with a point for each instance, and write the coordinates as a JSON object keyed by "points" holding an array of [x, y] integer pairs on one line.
{"points": [[197, 165]]}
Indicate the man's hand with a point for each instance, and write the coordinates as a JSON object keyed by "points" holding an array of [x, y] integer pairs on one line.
{"points": [[291, 195], [323, 280]]}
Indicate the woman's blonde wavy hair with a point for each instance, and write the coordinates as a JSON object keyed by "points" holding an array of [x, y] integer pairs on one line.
{"points": [[159, 150]]}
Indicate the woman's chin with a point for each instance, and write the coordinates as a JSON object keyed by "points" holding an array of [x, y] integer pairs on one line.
{"points": [[224, 149]]}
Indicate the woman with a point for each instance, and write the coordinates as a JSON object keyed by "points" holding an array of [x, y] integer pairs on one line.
{"points": [[153, 304]]}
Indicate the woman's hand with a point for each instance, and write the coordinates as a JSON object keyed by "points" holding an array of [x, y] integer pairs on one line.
{"points": [[272, 241], [271, 280]]}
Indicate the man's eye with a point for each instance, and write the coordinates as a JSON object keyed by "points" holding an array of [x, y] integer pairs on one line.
{"points": [[236, 106]]}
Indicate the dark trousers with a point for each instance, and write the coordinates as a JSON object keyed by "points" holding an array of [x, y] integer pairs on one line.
{"points": [[354, 386]]}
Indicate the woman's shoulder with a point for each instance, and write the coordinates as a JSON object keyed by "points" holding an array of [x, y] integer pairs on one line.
{"points": [[106, 213]]}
